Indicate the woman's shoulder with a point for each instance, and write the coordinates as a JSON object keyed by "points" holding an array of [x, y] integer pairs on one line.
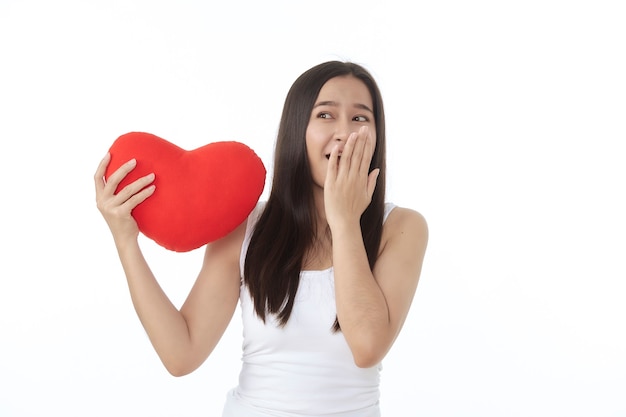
{"points": [[404, 220]]}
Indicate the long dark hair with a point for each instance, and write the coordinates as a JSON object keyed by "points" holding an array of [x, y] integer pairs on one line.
{"points": [[287, 228]]}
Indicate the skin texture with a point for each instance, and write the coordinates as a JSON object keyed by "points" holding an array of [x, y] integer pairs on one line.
{"points": [[372, 305]]}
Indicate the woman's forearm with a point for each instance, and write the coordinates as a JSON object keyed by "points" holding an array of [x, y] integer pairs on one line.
{"points": [[165, 325], [361, 306]]}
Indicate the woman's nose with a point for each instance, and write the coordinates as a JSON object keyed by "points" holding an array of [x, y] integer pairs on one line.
{"points": [[343, 131]]}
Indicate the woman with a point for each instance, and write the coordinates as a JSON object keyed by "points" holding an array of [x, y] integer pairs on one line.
{"points": [[325, 270]]}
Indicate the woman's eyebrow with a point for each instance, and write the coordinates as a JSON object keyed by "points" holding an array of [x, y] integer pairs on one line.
{"points": [[334, 104], [325, 103], [364, 107]]}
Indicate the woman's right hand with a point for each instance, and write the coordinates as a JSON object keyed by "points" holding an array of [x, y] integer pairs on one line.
{"points": [[116, 208]]}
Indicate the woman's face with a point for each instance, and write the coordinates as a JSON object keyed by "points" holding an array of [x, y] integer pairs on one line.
{"points": [[343, 105]]}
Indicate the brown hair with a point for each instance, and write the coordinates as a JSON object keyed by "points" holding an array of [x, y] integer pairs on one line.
{"points": [[286, 228]]}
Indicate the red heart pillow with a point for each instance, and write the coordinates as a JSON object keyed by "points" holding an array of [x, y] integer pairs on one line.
{"points": [[201, 195]]}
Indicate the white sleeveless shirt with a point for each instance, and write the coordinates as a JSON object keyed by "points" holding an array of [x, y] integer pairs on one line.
{"points": [[303, 368]]}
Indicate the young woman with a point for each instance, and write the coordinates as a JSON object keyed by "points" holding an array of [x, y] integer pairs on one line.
{"points": [[325, 270]]}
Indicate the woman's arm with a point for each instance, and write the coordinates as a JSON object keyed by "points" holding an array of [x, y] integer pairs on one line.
{"points": [[184, 338], [371, 305]]}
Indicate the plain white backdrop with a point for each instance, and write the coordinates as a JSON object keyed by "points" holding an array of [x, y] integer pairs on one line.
{"points": [[506, 130]]}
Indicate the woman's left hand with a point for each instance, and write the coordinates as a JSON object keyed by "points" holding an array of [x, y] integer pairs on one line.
{"points": [[349, 185]]}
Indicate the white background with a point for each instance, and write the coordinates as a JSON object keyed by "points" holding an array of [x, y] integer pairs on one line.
{"points": [[506, 129]]}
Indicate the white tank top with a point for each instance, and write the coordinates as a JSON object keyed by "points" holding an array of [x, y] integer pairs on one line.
{"points": [[303, 368]]}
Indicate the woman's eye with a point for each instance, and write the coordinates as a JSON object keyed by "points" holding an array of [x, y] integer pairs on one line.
{"points": [[324, 116], [361, 119]]}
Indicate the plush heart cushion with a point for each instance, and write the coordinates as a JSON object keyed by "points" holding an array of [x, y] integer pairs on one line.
{"points": [[201, 195]]}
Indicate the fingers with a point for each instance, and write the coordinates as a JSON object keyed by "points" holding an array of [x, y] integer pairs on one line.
{"points": [[99, 175], [363, 156], [358, 152], [135, 187], [371, 182], [110, 184], [136, 198], [370, 147], [128, 197], [333, 161], [114, 179]]}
